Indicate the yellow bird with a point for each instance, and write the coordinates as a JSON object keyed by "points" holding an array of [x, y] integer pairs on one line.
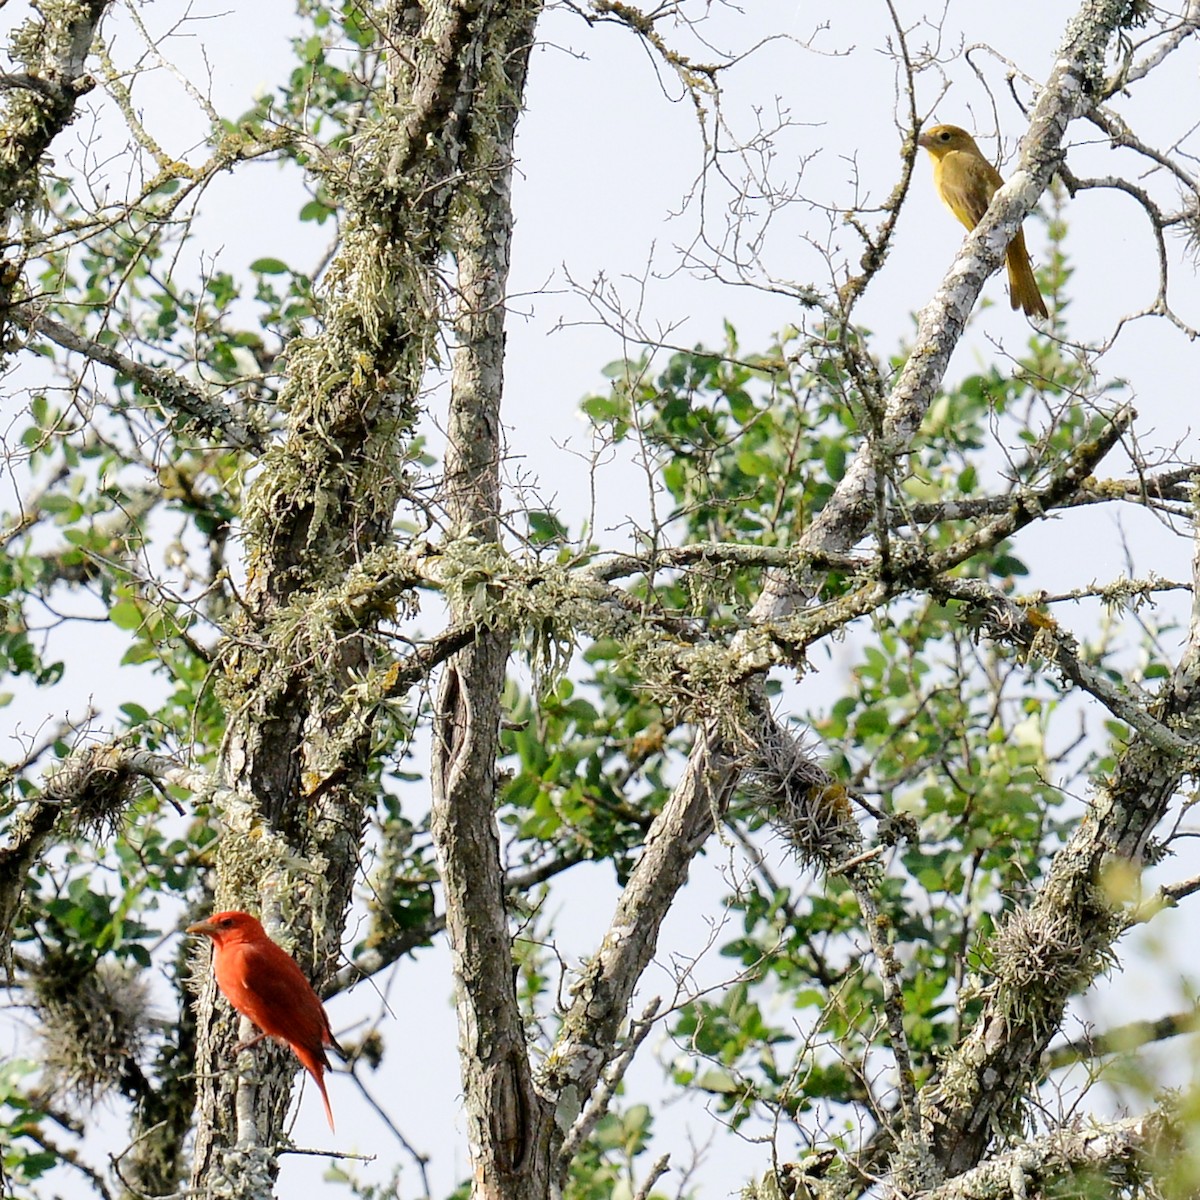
{"points": [[966, 182]]}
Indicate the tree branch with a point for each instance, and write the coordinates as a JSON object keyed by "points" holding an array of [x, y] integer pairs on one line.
{"points": [[602, 993], [166, 387], [1121, 1040], [43, 103], [1121, 1148]]}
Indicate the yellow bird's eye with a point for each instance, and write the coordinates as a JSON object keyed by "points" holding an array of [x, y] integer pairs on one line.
{"points": [[944, 136]]}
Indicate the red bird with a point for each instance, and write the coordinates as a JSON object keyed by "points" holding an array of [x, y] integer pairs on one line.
{"points": [[264, 982]]}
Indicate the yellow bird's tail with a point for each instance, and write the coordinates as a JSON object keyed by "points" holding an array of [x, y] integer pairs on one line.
{"points": [[1022, 286]]}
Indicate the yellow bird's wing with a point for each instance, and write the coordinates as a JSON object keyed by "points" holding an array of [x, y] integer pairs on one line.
{"points": [[966, 183]]}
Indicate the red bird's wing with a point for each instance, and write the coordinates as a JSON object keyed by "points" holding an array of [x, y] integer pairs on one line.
{"points": [[262, 981]]}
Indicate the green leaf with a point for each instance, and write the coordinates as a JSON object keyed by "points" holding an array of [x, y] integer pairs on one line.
{"points": [[314, 210], [126, 614], [545, 527]]}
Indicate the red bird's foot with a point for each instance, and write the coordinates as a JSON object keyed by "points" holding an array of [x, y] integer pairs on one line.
{"points": [[246, 1045]]}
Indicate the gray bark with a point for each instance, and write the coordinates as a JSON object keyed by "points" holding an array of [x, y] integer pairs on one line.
{"points": [[508, 1122]]}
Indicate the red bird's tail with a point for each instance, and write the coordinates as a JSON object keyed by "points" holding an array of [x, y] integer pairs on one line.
{"points": [[315, 1064]]}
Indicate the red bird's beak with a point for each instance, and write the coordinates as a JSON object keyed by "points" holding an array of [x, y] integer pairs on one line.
{"points": [[205, 927]]}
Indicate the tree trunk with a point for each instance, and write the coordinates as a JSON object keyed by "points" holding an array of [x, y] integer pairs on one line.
{"points": [[509, 1123]]}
